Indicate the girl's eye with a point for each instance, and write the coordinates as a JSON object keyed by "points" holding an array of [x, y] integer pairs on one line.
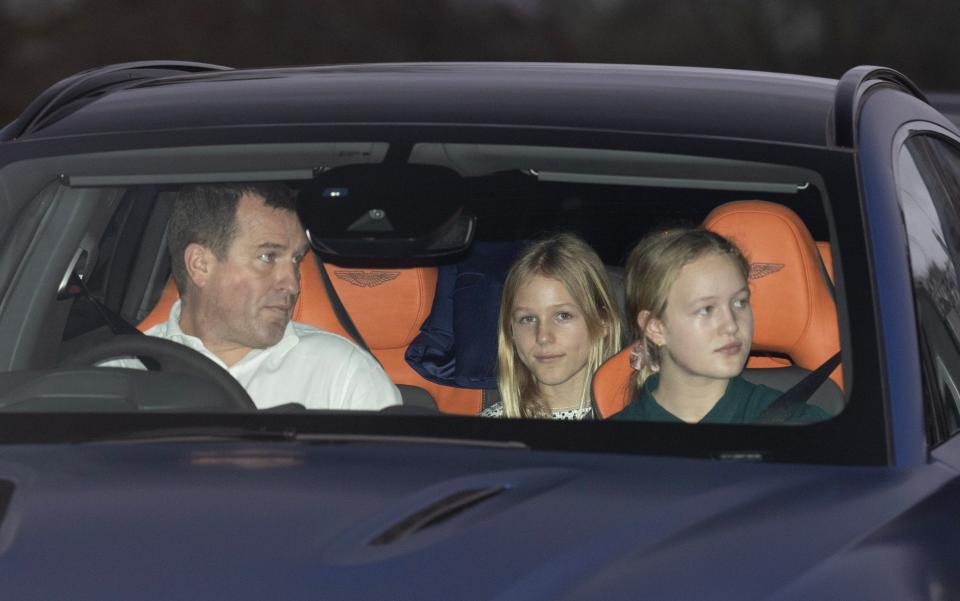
{"points": [[526, 319], [704, 311], [741, 303], [564, 316]]}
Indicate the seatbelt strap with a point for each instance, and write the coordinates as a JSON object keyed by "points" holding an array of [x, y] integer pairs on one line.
{"points": [[826, 278], [117, 324], [788, 402], [339, 310]]}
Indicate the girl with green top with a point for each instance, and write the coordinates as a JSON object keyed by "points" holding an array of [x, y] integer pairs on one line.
{"points": [[687, 290]]}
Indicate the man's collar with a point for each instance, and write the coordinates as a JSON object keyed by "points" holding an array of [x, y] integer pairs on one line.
{"points": [[173, 320], [174, 332]]}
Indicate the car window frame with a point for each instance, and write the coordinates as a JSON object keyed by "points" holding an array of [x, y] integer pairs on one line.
{"points": [[864, 413]]}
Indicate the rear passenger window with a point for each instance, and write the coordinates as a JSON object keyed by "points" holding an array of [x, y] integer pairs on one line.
{"points": [[929, 191]]}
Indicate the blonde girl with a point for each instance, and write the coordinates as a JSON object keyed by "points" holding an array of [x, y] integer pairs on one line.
{"points": [[558, 322]]}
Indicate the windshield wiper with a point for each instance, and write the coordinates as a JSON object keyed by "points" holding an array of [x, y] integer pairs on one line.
{"points": [[317, 437], [196, 434], [227, 433]]}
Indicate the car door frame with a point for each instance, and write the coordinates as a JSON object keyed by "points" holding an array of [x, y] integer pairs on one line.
{"points": [[888, 117]]}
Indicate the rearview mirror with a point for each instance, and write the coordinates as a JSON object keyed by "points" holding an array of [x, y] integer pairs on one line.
{"points": [[386, 211]]}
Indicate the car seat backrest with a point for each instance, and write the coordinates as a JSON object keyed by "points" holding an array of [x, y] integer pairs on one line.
{"points": [[794, 311], [613, 384], [387, 306]]}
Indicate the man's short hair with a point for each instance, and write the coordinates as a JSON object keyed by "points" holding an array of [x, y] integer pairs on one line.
{"points": [[207, 215]]}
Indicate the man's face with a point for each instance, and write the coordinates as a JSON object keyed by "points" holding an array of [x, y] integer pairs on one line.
{"points": [[248, 296]]}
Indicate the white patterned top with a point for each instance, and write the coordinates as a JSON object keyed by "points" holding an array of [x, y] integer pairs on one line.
{"points": [[496, 410]]}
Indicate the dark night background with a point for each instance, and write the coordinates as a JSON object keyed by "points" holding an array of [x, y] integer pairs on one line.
{"points": [[45, 40]]}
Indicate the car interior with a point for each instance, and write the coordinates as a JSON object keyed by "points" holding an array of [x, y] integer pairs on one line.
{"points": [[405, 250]]}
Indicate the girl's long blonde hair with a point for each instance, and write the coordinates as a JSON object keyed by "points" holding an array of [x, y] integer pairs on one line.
{"points": [[571, 261], [653, 266]]}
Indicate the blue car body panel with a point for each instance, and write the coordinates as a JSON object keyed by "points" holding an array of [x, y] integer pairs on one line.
{"points": [[295, 521], [878, 127]]}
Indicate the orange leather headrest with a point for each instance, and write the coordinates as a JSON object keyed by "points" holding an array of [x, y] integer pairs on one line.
{"points": [[388, 306], [794, 311]]}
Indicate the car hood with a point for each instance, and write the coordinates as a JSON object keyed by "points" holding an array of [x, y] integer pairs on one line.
{"points": [[166, 520]]}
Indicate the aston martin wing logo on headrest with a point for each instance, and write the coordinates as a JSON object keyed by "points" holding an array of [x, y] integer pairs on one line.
{"points": [[762, 270], [367, 279]]}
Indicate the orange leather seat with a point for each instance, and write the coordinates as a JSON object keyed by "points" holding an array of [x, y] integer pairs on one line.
{"points": [[794, 311], [387, 306], [613, 384]]}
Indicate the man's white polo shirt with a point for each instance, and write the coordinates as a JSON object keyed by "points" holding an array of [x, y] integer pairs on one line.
{"points": [[316, 368]]}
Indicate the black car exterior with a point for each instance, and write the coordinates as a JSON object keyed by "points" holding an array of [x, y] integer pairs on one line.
{"points": [[142, 504]]}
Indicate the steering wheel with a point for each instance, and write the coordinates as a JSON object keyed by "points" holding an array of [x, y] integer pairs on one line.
{"points": [[172, 357]]}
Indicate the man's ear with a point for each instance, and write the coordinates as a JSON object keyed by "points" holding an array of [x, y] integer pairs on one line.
{"points": [[651, 327], [200, 263]]}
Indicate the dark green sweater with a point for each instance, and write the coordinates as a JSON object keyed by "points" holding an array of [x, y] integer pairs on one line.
{"points": [[742, 403]]}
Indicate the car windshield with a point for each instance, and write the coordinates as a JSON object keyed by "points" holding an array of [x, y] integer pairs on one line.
{"points": [[409, 239]]}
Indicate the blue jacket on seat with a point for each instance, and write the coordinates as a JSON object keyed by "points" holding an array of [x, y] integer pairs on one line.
{"points": [[457, 344]]}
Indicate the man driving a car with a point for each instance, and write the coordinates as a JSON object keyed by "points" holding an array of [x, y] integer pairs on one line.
{"points": [[236, 251]]}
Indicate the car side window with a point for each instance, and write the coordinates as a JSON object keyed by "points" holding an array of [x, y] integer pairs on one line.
{"points": [[930, 201]]}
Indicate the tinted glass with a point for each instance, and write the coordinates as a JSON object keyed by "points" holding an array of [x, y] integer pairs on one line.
{"points": [[932, 218]]}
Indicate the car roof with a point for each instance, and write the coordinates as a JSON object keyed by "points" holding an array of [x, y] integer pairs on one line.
{"points": [[664, 100]]}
